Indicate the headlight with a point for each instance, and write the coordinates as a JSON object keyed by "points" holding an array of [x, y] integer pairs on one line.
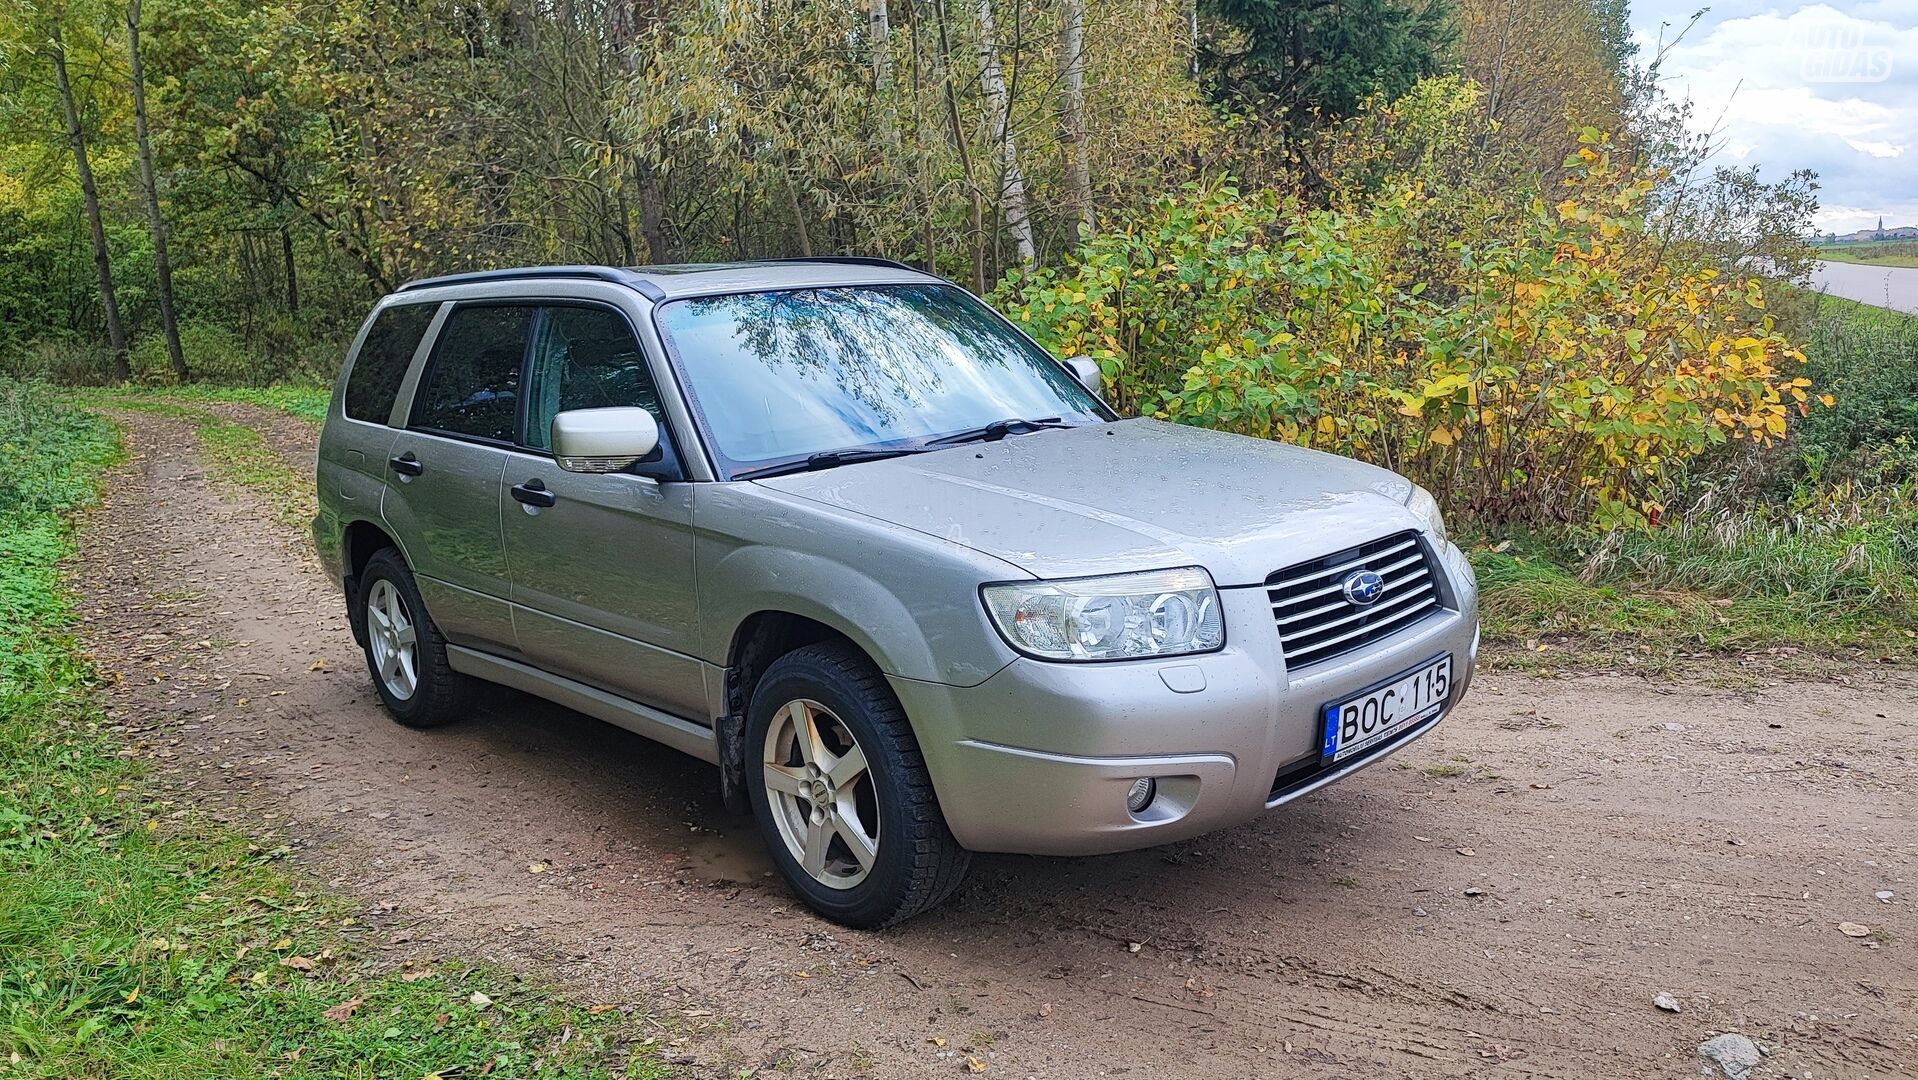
{"points": [[1156, 613], [1424, 507]]}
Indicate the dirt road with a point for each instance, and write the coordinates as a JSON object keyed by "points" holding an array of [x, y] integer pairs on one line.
{"points": [[1502, 900]]}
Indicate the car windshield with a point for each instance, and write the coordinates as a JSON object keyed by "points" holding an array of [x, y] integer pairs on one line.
{"points": [[776, 377]]}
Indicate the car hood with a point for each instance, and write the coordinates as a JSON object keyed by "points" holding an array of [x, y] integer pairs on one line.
{"points": [[1129, 495]]}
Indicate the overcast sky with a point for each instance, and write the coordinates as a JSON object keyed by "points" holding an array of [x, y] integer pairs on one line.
{"points": [[1829, 86]]}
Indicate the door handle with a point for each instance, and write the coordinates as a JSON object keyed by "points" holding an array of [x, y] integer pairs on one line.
{"points": [[406, 463], [534, 493]]}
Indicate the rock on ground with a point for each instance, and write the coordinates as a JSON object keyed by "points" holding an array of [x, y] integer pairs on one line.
{"points": [[1731, 1053]]}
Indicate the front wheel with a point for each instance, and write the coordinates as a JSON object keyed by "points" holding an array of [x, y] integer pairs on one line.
{"points": [[841, 792]]}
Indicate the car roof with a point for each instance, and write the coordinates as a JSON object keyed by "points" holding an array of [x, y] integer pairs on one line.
{"points": [[670, 282]]}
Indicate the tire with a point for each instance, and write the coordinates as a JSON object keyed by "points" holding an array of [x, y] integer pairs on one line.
{"points": [[915, 863], [438, 694]]}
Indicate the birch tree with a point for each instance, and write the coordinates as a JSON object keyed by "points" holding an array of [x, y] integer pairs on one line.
{"points": [[1012, 183], [1072, 114]]}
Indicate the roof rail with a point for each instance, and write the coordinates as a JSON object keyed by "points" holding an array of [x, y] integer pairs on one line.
{"points": [[598, 273], [853, 260]]}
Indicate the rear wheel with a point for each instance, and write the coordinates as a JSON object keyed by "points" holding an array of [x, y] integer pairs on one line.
{"points": [[405, 653], [841, 792]]}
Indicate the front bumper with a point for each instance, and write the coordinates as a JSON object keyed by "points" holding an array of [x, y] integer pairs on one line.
{"points": [[1038, 758]]}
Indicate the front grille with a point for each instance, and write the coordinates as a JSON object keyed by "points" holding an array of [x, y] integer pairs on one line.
{"points": [[1316, 622]]}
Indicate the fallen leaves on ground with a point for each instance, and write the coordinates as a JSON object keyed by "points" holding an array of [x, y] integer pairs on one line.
{"points": [[344, 1011]]}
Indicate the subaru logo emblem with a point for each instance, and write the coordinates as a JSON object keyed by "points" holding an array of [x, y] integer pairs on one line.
{"points": [[1363, 588]]}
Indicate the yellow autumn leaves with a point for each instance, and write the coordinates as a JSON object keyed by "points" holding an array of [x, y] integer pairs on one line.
{"points": [[1544, 368]]}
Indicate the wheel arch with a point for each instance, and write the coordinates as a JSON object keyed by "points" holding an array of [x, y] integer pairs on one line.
{"points": [[759, 640], [360, 540]]}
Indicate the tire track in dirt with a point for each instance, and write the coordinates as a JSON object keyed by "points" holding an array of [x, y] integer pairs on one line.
{"points": [[1344, 936]]}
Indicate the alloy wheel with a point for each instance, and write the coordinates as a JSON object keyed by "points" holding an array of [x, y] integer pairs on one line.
{"points": [[393, 639], [821, 793]]}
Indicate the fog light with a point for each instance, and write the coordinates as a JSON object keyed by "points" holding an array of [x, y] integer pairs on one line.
{"points": [[1140, 797]]}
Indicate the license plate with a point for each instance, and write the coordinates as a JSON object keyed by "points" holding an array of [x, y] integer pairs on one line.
{"points": [[1391, 708]]}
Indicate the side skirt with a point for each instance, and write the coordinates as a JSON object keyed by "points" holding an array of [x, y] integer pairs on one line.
{"points": [[682, 735]]}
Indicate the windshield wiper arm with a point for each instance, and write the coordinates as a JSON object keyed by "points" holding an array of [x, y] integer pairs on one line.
{"points": [[998, 429], [827, 459]]}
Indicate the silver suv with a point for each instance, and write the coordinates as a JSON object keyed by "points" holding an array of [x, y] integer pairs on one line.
{"points": [[838, 528]]}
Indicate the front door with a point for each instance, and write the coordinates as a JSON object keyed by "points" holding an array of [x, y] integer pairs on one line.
{"points": [[444, 471], [602, 564]]}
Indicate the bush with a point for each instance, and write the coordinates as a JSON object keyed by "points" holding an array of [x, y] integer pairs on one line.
{"points": [[57, 359], [213, 354], [1868, 360], [36, 430], [1553, 367]]}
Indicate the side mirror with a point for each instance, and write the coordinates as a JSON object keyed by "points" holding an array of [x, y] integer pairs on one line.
{"points": [[1086, 370], [603, 440]]}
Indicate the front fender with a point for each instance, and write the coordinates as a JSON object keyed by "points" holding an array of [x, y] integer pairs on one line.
{"points": [[911, 601]]}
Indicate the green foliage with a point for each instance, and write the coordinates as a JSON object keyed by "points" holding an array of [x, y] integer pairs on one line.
{"points": [[49, 455], [1544, 364], [137, 939], [1314, 59], [212, 352], [1869, 364]]}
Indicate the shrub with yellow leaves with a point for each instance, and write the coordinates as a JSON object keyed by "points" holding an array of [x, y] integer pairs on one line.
{"points": [[1551, 370]]}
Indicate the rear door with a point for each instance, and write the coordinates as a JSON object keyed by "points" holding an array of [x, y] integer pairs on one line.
{"points": [[602, 564], [443, 499], [351, 466]]}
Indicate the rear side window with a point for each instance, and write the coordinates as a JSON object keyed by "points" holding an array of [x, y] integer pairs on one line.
{"points": [[381, 365], [472, 384]]}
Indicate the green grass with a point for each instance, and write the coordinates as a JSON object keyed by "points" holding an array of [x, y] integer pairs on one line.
{"points": [[138, 938], [1874, 253], [306, 402], [1831, 582]]}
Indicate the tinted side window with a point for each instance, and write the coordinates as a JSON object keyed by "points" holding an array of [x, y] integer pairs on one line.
{"points": [[584, 358], [472, 384], [381, 364]]}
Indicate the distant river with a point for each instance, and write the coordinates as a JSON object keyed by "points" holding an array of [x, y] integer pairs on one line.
{"points": [[1895, 287]]}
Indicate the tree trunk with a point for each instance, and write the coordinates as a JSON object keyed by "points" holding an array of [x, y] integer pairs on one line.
{"points": [[1072, 115], [1012, 183], [116, 333], [951, 95], [798, 211], [162, 264], [292, 276], [879, 29]]}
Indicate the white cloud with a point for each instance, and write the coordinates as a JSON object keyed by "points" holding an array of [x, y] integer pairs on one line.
{"points": [[1818, 86]]}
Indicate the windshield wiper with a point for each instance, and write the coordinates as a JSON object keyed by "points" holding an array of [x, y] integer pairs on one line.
{"points": [[998, 429], [827, 459]]}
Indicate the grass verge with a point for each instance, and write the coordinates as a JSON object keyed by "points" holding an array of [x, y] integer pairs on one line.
{"points": [[1734, 585], [140, 939], [306, 402], [1874, 253]]}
